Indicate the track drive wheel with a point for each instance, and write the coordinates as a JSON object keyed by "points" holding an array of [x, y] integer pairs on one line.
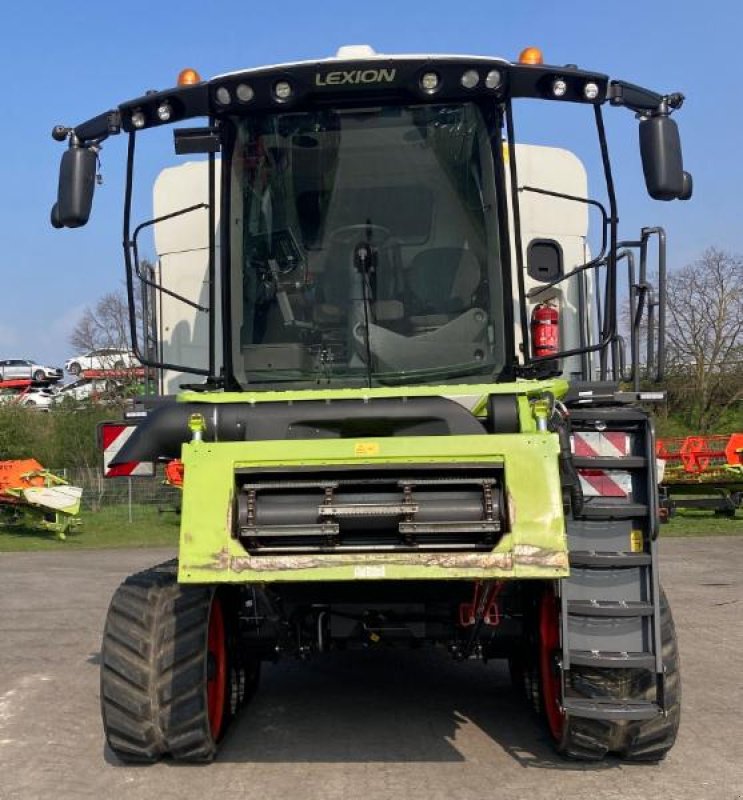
{"points": [[171, 678], [591, 740]]}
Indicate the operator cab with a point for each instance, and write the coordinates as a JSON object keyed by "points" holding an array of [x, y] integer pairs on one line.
{"points": [[374, 226]]}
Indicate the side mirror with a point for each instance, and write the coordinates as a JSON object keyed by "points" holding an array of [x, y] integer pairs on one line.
{"points": [[688, 187], [54, 217], [77, 172], [662, 163]]}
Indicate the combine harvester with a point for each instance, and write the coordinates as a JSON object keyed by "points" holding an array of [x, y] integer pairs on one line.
{"points": [[31, 495], [409, 427], [702, 472]]}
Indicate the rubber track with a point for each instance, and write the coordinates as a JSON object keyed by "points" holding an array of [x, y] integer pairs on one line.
{"points": [[652, 739], [646, 740], [153, 669]]}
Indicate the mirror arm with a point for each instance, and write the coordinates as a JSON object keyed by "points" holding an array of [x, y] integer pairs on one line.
{"points": [[644, 102], [90, 133]]}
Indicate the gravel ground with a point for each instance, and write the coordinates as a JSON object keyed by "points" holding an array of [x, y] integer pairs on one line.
{"points": [[374, 725]]}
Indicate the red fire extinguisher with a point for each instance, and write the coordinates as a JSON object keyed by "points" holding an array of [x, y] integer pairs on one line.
{"points": [[545, 321]]}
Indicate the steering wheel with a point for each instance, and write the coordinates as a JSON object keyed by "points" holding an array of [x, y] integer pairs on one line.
{"points": [[358, 233]]}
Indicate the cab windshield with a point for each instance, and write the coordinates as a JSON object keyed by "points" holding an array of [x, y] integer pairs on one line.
{"points": [[365, 243]]}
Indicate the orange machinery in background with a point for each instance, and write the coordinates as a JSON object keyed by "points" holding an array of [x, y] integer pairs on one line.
{"points": [[702, 472], [31, 495]]}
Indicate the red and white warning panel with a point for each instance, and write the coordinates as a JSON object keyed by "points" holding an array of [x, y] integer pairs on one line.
{"points": [[112, 437], [607, 444]]}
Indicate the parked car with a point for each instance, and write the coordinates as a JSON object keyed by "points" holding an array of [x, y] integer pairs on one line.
{"points": [[102, 391], [78, 390], [28, 369], [38, 397], [103, 359]]}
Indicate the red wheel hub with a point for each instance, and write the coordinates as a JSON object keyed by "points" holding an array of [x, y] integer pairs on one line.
{"points": [[549, 645], [216, 680]]}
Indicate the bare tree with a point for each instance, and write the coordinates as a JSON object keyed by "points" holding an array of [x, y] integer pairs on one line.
{"points": [[107, 323], [705, 335], [104, 325]]}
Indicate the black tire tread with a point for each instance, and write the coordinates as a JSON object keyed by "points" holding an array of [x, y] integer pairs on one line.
{"points": [[645, 740], [652, 739], [153, 667]]}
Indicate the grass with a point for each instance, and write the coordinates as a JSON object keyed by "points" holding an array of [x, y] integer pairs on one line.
{"points": [[110, 528], [692, 522], [107, 528]]}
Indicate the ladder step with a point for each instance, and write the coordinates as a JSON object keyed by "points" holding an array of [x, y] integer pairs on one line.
{"points": [[593, 510], [606, 658], [607, 560], [610, 608], [607, 462], [610, 709]]}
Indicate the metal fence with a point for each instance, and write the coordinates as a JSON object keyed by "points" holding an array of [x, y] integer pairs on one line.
{"points": [[100, 492]]}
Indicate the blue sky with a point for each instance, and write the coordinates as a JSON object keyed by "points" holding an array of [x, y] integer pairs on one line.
{"points": [[64, 64]]}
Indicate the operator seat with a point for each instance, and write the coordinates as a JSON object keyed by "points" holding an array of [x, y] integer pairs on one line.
{"points": [[440, 284]]}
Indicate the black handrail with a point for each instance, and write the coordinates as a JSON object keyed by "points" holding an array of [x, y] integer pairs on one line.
{"points": [[511, 138], [607, 322], [127, 245], [610, 303], [661, 302], [642, 294], [596, 260], [135, 250]]}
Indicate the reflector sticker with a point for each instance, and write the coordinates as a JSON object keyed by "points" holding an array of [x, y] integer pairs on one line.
{"points": [[602, 482], [113, 436]]}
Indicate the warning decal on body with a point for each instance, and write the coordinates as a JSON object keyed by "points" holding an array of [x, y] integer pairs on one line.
{"points": [[112, 437], [603, 482]]}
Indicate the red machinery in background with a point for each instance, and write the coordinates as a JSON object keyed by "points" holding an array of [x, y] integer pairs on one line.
{"points": [[702, 471]]}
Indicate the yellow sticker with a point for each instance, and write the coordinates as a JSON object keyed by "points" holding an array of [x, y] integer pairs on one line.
{"points": [[363, 449], [635, 542]]}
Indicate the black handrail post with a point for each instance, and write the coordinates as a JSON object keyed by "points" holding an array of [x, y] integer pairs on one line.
{"points": [[661, 305], [511, 138], [127, 244], [212, 265], [610, 303], [661, 299], [634, 322]]}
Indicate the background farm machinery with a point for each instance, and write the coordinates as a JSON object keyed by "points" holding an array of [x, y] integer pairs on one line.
{"points": [[702, 472], [34, 497]]}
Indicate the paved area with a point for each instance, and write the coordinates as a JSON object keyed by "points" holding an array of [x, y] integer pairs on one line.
{"points": [[378, 725]]}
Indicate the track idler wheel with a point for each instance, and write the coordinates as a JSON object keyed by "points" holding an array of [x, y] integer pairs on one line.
{"points": [[549, 666]]}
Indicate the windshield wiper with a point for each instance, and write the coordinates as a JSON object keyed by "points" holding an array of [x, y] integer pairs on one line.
{"points": [[364, 259]]}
